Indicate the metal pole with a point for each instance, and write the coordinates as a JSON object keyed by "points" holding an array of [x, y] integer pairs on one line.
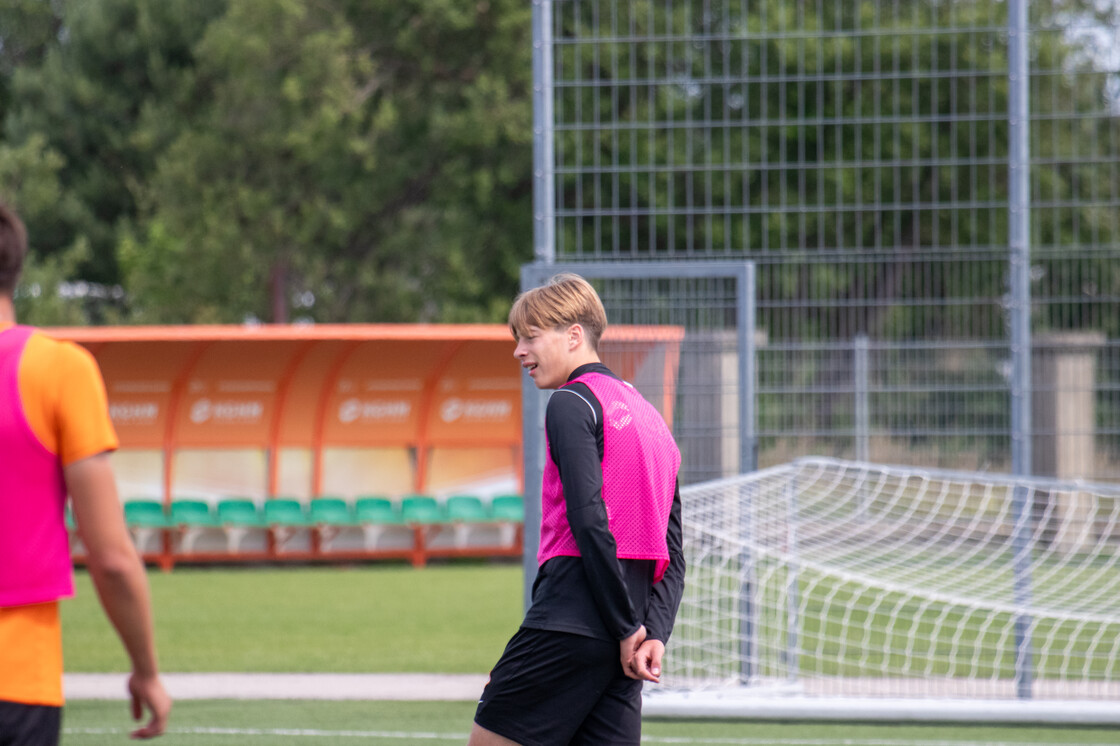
{"points": [[1022, 544], [544, 251], [748, 375], [544, 241], [748, 631], [533, 403], [748, 461], [793, 580], [860, 384], [1019, 292]]}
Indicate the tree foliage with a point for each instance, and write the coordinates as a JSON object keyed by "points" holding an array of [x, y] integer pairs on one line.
{"points": [[333, 160]]}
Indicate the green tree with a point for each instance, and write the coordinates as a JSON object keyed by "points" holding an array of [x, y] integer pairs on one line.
{"points": [[27, 29], [265, 176], [90, 75], [332, 159], [335, 169], [45, 295]]}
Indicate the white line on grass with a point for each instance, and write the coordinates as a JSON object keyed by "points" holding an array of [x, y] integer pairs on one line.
{"points": [[842, 742], [460, 737], [272, 732]]}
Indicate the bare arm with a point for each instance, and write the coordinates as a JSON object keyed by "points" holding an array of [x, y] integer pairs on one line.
{"points": [[118, 575]]}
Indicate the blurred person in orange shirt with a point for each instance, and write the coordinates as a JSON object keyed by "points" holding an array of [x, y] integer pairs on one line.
{"points": [[55, 440]]}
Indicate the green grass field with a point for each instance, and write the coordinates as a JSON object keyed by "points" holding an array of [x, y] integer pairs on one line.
{"points": [[451, 618], [289, 723]]}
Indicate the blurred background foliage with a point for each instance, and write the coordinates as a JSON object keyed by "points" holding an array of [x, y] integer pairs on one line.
{"points": [[206, 161]]}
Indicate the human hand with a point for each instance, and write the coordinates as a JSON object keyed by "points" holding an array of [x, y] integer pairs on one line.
{"points": [[646, 662], [628, 646], [147, 693]]}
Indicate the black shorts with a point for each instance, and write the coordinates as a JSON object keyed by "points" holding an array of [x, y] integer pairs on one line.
{"points": [[552, 688], [29, 725]]}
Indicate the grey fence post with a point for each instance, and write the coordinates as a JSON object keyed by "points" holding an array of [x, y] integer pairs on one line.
{"points": [[861, 384], [544, 251], [793, 583], [1020, 311], [533, 402], [747, 295], [544, 230], [748, 633]]}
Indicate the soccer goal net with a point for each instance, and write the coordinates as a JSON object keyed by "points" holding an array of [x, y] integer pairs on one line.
{"points": [[853, 589]]}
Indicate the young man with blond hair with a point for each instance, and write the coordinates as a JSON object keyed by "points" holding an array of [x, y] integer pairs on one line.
{"points": [[55, 440], [611, 570]]}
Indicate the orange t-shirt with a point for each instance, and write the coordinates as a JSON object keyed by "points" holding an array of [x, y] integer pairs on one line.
{"points": [[64, 399]]}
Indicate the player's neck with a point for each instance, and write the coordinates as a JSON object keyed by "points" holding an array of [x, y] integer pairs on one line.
{"points": [[579, 360], [7, 310]]}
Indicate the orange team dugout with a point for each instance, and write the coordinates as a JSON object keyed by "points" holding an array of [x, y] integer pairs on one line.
{"points": [[213, 412]]}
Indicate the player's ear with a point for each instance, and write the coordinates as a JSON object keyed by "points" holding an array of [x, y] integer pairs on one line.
{"points": [[575, 336]]}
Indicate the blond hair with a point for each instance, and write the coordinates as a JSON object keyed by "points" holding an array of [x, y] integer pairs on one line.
{"points": [[564, 300]]}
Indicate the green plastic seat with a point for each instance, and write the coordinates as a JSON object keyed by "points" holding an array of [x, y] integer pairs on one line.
{"points": [[284, 511], [145, 513], [239, 511], [375, 509], [238, 517], [421, 509], [187, 511], [508, 508], [330, 511], [466, 508]]}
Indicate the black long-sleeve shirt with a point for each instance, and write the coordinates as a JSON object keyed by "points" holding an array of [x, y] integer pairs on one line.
{"points": [[597, 594]]}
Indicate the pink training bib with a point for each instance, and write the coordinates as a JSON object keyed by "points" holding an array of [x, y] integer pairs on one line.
{"points": [[34, 547], [640, 465]]}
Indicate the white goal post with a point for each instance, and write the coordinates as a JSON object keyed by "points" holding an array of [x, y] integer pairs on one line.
{"points": [[838, 589]]}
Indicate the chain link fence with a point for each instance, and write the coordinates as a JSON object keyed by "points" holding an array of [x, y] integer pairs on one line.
{"points": [[858, 154]]}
